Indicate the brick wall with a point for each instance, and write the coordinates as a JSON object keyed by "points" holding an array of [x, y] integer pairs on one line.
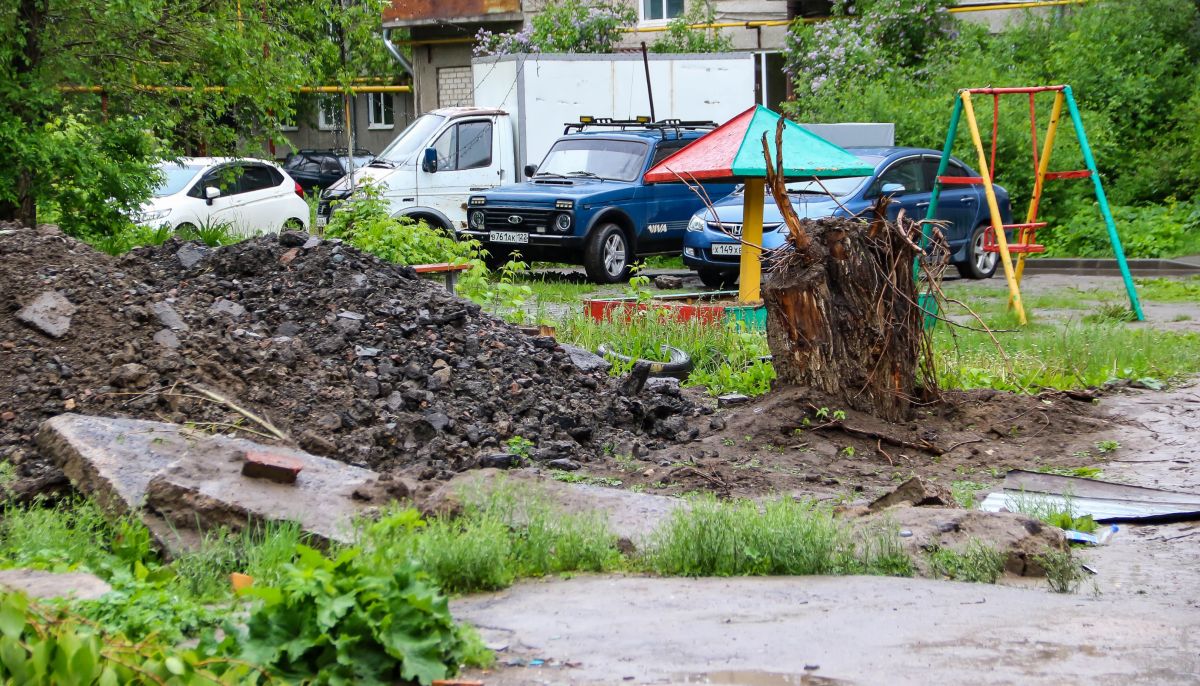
{"points": [[455, 88]]}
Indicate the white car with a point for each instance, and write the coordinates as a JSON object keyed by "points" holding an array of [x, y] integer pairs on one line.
{"points": [[251, 196]]}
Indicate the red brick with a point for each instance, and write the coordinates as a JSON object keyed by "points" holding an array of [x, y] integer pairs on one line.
{"points": [[260, 464]]}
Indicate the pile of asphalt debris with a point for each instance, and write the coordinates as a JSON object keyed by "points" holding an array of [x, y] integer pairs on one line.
{"points": [[341, 353]]}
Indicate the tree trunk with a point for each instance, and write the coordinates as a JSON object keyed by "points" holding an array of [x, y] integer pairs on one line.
{"points": [[843, 318], [31, 18]]}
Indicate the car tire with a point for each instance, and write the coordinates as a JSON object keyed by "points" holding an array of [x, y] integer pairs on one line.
{"points": [[293, 224], [718, 279], [607, 256], [979, 264], [186, 231]]}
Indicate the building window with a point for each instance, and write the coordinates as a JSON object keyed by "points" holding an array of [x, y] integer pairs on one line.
{"points": [[329, 113], [380, 111], [660, 10]]}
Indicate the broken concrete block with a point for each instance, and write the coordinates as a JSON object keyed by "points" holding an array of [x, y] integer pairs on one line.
{"points": [[731, 399], [916, 492], [37, 583], [167, 339], [190, 254], [192, 479], [168, 317], [49, 313], [586, 360], [262, 464], [668, 282], [227, 307]]}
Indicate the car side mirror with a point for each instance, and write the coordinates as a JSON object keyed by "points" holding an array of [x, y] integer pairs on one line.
{"points": [[429, 161], [892, 189], [530, 170], [211, 193]]}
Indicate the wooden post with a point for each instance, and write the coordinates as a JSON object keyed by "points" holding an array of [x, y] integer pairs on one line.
{"points": [[750, 279]]}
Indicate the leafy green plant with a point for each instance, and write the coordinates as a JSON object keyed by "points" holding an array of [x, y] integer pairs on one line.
{"points": [[976, 562], [964, 492], [507, 295], [45, 645], [1063, 572], [519, 446], [122, 239], [212, 233], [1107, 446], [1060, 514], [342, 621]]}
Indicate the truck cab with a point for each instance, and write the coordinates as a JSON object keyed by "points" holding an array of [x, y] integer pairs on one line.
{"points": [[431, 168], [587, 202]]}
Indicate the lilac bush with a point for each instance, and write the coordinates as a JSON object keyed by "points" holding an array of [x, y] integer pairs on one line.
{"points": [[564, 26]]}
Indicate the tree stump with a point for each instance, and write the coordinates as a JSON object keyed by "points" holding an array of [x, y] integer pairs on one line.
{"points": [[843, 316]]}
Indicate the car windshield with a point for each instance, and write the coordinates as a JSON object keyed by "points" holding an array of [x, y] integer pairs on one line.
{"points": [[412, 138], [175, 178], [359, 161], [598, 157], [839, 188]]}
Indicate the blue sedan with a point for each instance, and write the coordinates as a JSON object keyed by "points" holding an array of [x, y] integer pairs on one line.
{"points": [[905, 174]]}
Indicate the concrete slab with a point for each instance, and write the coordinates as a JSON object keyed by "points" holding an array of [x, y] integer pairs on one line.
{"points": [[37, 583], [193, 479], [50, 313]]}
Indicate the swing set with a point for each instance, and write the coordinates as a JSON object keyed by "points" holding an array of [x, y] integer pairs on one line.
{"points": [[1025, 234]]}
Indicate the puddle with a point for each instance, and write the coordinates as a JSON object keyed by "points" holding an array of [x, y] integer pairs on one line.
{"points": [[752, 678]]}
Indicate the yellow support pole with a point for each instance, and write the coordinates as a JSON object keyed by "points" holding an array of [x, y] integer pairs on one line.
{"points": [[750, 279], [1014, 290], [1039, 180]]}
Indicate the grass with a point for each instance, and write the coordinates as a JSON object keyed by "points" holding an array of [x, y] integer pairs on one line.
{"points": [[1063, 572], [964, 492], [1061, 515], [726, 358], [1070, 355], [784, 537], [977, 562], [1169, 290]]}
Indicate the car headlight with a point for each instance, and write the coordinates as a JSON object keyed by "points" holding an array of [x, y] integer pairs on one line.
{"points": [[150, 216], [477, 200], [563, 222], [564, 204], [697, 223], [477, 219]]}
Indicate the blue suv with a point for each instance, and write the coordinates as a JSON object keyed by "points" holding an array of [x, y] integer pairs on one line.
{"points": [[905, 174], [588, 204]]}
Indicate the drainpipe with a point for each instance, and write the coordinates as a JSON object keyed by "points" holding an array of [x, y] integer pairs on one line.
{"points": [[404, 63]]}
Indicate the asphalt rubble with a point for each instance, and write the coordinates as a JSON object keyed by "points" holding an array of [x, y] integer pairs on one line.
{"points": [[343, 354]]}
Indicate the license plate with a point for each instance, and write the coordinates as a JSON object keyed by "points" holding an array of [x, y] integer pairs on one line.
{"points": [[508, 237], [322, 221], [727, 249]]}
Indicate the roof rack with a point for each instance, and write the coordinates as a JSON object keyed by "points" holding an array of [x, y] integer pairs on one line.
{"points": [[662, 126]]}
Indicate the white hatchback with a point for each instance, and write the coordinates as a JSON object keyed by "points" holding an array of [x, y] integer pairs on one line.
{"points": [[250, 196]]}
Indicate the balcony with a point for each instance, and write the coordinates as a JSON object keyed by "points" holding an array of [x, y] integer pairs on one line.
{"points": [[402, 13]]}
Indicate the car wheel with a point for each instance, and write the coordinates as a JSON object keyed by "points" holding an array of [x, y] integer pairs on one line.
{"points": [[980, 264], [186, 231], [718, 279], [293, 224], [607, 255]]}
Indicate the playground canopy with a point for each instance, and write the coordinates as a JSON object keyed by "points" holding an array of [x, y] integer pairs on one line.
{"points": [[734, 152]]}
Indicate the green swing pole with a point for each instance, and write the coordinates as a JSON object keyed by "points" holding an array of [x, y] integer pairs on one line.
{"points": [[937, 185], [1104, 209]]}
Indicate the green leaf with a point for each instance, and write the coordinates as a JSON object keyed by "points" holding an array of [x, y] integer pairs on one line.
{"points": [[12, 614], [175, 666]]}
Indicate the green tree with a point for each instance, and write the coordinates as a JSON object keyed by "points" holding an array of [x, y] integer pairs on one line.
{"points": [[92, 93]]}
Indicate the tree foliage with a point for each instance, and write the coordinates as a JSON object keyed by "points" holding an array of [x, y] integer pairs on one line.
{"points": [[1132, 68], [154, 79]]}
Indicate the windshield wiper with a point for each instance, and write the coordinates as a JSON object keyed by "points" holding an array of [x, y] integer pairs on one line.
{"points": [[381, 162], [548, 174], [584, 173], [810, 192]]}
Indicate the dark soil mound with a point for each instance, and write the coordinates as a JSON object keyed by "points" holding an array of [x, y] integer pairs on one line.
{"points": [[350, 356]]}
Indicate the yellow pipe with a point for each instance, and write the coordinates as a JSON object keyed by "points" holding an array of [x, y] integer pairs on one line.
{"points": [[1043, 166], [750, 279], [221, 89], [1014, 290]]}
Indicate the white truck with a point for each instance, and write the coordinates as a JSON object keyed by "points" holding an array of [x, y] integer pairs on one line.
{"points": [[522, 105]]}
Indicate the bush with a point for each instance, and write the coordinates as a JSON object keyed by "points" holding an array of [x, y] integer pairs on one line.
{"points": [[680, 37], [1167, 230], [563, 26], [341, 621]]}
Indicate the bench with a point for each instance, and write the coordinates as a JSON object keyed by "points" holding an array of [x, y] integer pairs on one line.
{"points": [[450, 270]]}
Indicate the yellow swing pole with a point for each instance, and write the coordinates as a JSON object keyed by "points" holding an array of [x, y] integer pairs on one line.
{"points": [[750, 279], [1014, 290], [1039, 180]]}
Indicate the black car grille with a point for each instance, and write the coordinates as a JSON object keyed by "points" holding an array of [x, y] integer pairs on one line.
{"points": [[502, 219]]}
